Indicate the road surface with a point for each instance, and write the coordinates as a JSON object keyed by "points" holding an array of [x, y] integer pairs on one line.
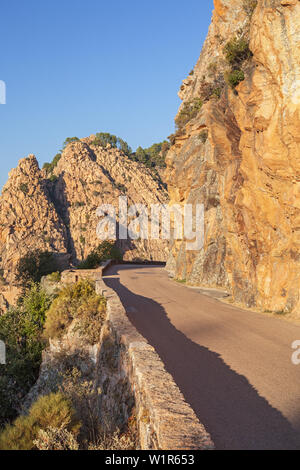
{"points": [[233, 366]]}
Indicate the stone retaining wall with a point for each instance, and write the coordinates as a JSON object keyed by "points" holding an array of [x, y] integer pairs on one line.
{"points": [[132, 376]]}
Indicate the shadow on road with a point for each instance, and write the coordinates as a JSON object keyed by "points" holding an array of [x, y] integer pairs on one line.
{"points": [[224, 401]]}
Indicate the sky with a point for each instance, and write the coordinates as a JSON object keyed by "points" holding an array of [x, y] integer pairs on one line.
{"points": [[77, 67]]}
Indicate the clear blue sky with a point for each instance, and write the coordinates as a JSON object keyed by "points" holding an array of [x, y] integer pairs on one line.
{"points": [[76, 67]]}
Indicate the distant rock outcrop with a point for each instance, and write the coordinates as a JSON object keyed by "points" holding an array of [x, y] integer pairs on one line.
{"points": [[59, 214]]}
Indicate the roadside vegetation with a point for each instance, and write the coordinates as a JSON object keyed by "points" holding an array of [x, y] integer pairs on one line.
{"points": [[33, 266], [105, 251], [65, 416], [52, 412], [21, 328], [77, 302]]}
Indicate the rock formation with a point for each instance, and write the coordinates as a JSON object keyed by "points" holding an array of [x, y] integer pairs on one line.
{"points": [[29, 219], [59, 214], [240, 156]]}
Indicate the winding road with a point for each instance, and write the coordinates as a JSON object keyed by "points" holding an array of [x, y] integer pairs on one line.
{"points": [[233, 366]]}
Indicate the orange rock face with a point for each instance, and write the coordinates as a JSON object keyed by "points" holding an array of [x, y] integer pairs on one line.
{"points": [[247, 172], [60, 215]]}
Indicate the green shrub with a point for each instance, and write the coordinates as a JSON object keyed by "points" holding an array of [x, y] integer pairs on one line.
{"points": [[189, 111], [77, 301], [249, 6], [49, 167], [203, 136], [33, 266], [124, 147], [103, 139], [235, 77], [24, 188], [54, 277], [237, 51], [35, 303], [105, 251], [78, 204], [153, 156], [53, 178], [21, 329], [52, 410], [216, 92], [69, 140]]}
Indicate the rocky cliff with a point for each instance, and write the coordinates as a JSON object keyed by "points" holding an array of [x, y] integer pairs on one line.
{"points": [[237, 151], [58, 214]]}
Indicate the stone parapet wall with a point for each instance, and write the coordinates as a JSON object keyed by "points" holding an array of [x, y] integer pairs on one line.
{"points": [[132, 376]]}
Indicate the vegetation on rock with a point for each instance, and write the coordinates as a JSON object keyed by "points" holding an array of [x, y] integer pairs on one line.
{"points": [[21, 329], [53, 411], [105, 251], [237, 51], [235, 77], [24, 188], [249, 6], [33, 266], [189, 111], [153, 156], [76, 302], [49, 167], [104, 138]]}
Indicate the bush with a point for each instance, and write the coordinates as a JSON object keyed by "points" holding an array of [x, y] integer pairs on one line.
{"points": [[54, 277], [35, 304], [52, 410], [21, 329], [85, 399], [104, 138], [249, 6], [105, 251], [153, 156], [77, 301], [189, 111], [78, 204], [203, 136], [49, 167], [237, 51], [24, 188], [33, 266], [53, 178], [69, 140], [206, 90], [235, 77]]}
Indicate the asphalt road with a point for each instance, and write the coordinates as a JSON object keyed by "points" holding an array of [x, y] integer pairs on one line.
{"points": [[233, 366]]}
